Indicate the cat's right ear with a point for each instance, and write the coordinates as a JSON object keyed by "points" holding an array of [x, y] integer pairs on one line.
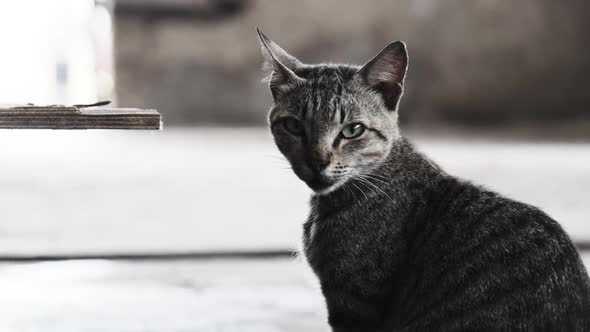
{"points": [[279, 66]]}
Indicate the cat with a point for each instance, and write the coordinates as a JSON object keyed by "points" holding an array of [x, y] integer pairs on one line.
{"points": [[397, 243]]}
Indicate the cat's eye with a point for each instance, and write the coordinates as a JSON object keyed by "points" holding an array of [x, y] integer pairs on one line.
{"points": [[353, 130], [293, 126]]}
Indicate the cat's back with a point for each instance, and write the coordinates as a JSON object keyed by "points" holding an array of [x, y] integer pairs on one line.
{"points": [[480, 260]]}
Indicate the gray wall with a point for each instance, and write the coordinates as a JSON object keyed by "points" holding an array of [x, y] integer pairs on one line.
{"points": [[472, 61]]}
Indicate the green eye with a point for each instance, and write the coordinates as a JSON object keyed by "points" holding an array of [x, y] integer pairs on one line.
{"points": [[353, 130], [293, 126]]}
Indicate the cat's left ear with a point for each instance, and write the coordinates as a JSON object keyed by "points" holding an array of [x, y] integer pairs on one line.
{"points": [[279, 64], [385, 73]]}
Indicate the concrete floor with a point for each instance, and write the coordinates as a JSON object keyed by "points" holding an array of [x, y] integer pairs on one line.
{"points": [[231, 295]]}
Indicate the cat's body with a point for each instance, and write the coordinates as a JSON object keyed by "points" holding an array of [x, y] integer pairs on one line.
{"points": [[398, 244], [428, 252]]}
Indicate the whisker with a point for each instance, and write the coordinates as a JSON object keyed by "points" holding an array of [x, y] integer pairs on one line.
{"points": [[372, 192], [364, 179], [376, 177], [359, 189], [371, 187]]}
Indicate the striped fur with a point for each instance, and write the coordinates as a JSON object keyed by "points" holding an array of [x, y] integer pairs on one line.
{"points": [[400, 245]]}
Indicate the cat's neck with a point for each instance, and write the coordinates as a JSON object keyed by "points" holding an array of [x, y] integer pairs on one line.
{"points": [[405, 168]]}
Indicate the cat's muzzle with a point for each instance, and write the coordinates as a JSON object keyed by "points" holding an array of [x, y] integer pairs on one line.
{"points": [[320, 183]]}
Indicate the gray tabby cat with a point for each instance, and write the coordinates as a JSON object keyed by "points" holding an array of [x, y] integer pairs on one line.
{"points": [[397, 243]]}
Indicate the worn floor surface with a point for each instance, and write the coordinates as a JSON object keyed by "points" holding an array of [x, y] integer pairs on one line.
{"points": [[185, 296]]}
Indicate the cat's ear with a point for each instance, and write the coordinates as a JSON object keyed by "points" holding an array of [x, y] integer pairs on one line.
{"points": [[385, 73], [279, 65]]}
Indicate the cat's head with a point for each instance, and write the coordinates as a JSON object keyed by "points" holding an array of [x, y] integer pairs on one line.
{"points": [[333, 122]]}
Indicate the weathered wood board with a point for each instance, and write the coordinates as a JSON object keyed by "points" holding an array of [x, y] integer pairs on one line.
{"points": [[78, 117]]}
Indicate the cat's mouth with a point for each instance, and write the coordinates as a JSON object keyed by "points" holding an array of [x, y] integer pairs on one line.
{"points": [[323, 185], [319, 182]]}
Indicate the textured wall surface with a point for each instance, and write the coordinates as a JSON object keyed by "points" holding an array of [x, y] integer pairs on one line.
{"points": [[472, 62]]}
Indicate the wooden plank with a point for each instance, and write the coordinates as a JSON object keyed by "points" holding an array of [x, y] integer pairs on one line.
{"points": [[92, 116]]}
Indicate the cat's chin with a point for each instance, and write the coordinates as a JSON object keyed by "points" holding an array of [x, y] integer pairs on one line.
{"points": [[326, 188]]}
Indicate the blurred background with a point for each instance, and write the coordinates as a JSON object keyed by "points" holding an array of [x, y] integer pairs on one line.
{"points": [[193, 228]]}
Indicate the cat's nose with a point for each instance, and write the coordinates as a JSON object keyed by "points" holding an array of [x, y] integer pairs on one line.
{"points": [[320, 164]]}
